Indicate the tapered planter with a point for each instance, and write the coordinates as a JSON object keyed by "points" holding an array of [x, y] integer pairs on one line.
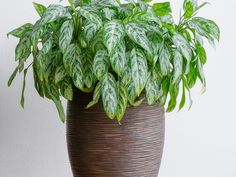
{"points": [[99, 147]]}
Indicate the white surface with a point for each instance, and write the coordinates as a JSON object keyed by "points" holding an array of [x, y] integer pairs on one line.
{"points": [[199, 143]]}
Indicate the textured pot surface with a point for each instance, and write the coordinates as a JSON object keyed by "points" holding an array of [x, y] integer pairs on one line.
{"points": [[100, 147]]}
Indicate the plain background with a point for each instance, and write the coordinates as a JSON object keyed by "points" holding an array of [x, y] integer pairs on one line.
{"points": [[199, 143]]}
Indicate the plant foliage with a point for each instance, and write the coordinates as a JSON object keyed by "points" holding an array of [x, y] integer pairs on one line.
{"points": [[123, 53]]}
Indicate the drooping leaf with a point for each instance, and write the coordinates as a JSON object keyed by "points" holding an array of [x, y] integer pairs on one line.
{"points": [[19, 32], [201, 53], [138, 68], [137, 33], [162, 9], [122, 101], [114, 32], [164, 59], [60, 74], [118, 58], [66, 34], [109, 95], [178, 66], [89, 77], [23, 49], [22, 101], [96, 94], [183, 97], [47, 46], [101, 64], [153, 90], [174, 91], [66, 90], [184, 48], [39, 8], [73, 64], [206, 28]]}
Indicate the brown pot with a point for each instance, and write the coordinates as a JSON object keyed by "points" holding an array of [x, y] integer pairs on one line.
{"points": [[100, 147]]}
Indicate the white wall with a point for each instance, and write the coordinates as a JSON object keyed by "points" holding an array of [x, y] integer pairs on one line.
{"points": [[199, 143]]}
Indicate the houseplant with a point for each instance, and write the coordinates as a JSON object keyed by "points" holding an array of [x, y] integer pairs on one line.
{"points": [[112, 57]]}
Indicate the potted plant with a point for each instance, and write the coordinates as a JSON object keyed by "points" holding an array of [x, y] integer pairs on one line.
{"points": [[107, 58]]}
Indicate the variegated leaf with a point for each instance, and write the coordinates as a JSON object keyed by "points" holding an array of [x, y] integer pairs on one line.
{"points": [[96, 94], [178, 66], [164, 59], [141, 17], [184, 48], [109, 95], [137, 33], [118, 58], [114, 32], [89, 77], [66, 90], [66, 34], [19, 32], [122, 101], [88, 13], [73, 64], [153, 90], [53, 13], [97, 42], [138, 68], [60, 74], [90, 30], [23, 49], [39, 8], [101, 64], [47, 46]]}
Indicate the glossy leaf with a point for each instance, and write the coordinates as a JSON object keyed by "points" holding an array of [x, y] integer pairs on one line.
{"points": [[122, 101], [164, 59]]}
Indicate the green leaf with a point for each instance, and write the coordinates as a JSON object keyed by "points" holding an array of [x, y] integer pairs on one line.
{"points": [[206, 28], [174, 91], [141, 17], [184, 48], [66, 35], [137, 33], [53, 13], [201, 53], [118, 58], [183, 98], [153, 90], [162, 9], [60, 74], [89, 77], [178, 66], [101, 64], [190, 7], [96, 94], [60, 109], [109, 95], [122, 101], [200, 72], [113, 33], [138, 68], [23, 49], [88, 13], [66, 90], [90, 31], [164, 59], [47, 46], [22, 101], [19, 32], [13, 75], [39, 8], [73, 65]]}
